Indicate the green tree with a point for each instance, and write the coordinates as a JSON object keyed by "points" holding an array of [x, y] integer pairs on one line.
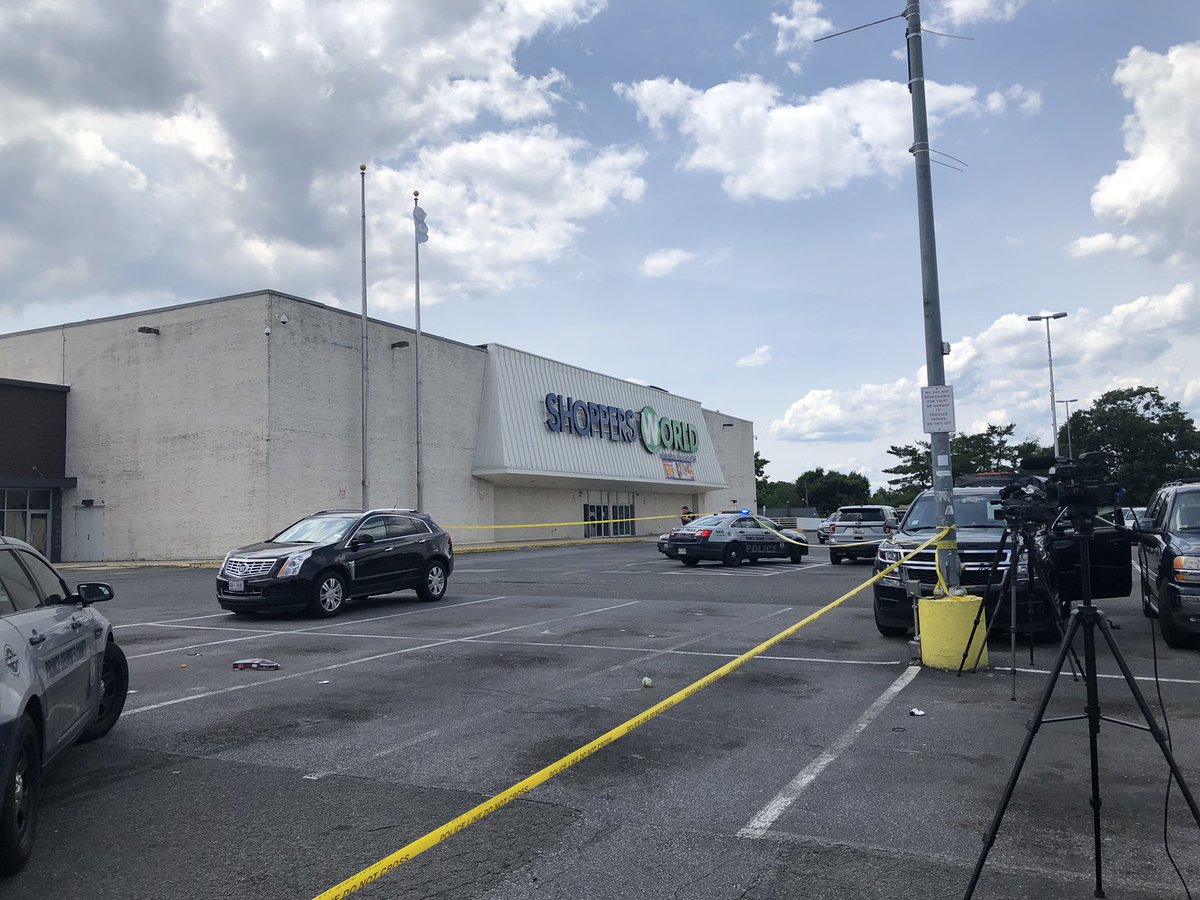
{"points": [[1151, 440], [826, 491]]}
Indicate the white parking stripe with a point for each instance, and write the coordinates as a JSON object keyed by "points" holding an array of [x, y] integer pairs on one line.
{"points": [[169, 621], [761, 823], [363, 659], [309, 630]]}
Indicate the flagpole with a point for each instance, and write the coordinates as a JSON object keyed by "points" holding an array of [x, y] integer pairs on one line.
{"points": [[417, 351], [366, 499]]}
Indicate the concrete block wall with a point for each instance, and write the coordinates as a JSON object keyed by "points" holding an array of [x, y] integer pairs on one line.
{"points": [[735, 453], [165, 432]]}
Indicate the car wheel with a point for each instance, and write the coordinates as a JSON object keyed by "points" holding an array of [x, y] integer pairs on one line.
{"points": [[329, 595], [18, 810], [1172, 635], [732, 555], [433, 581], [835, 559], [890, 630], [114, 687], [690, 561], [797, 555]]}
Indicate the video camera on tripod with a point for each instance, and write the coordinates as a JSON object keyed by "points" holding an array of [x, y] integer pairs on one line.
{"points": [[1064, 506]]}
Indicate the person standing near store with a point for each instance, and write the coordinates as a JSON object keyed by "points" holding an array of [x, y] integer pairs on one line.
{"points": [[686, 515]]}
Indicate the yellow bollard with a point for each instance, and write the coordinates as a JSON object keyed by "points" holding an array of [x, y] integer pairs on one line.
{"points": [[945, 624]]}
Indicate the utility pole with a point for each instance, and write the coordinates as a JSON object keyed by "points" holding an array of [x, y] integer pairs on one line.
{"points": [[366, 493], [943, 476]]}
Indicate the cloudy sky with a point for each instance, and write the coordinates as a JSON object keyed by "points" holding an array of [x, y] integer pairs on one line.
{"points": [[689, 193]]}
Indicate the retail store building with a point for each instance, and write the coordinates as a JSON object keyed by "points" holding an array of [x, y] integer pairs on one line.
{"points": [[181, 432]]}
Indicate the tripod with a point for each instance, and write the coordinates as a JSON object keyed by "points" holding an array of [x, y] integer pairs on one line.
{"points": [[1088, 619], [1022, 543]]}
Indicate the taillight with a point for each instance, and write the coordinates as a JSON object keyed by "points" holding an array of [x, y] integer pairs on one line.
{"points": [[832, 529], [704, 532]]}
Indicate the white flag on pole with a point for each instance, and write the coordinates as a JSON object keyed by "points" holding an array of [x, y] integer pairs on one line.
{"points": [[419, 222]]}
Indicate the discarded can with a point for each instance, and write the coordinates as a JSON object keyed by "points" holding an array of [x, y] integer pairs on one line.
{"points": [[255, 664]]}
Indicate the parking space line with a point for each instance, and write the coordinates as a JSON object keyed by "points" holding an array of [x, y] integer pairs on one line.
{"points": [[312, 629], [762, 821], [363, 659], [169, 621], [1149, 678]]}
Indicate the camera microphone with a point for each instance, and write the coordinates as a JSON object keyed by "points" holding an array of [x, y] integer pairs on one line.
{"points": [[1039, 462]]}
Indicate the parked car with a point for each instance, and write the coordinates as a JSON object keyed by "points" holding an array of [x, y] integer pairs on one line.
{"points": [[336, 555], [858, 531], [1135, 517], [1170, 556], [980, 528], [664, 546], [823, 527], [64, 682], [734, 537]]}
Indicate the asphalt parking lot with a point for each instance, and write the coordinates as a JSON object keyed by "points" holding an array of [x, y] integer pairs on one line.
{"points": [[800, 775]]}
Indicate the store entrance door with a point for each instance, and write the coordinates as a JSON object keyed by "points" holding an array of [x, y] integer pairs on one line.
{"points": [[608, 514]]}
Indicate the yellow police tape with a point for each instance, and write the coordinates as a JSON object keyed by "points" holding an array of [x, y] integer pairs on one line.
{"points": [[394, 860]]}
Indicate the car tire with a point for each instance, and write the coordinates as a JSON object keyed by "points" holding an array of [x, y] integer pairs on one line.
{"points": [[329, 595], [835, 559], [1172, 636], [114, 688], [434, 580], [890, 630], [796, 556], [18, 806], [733, 555], [690, 561]]}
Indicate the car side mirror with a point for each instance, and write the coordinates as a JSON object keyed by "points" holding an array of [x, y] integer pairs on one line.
{"points": [[93, 592], [360, 540]]}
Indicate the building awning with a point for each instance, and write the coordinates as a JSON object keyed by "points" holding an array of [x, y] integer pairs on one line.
{"points": [[36, 483]]}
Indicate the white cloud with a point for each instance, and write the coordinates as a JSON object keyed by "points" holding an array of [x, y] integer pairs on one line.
{"points": [[183, 133], [764, 147], [798, 30], [1128, 345], [760, 357], [967, 12], [1091, 245], [1155, 192], [665, 261]]}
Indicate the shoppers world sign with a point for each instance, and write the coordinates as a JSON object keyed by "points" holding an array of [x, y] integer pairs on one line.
{"points": [[588, 419]]}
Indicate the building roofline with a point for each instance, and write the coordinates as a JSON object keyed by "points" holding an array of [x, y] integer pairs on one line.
{"points": [[40, 385]]}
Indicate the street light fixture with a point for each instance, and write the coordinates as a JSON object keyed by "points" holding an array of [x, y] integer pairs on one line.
{"points": [[1050, 357], [1067, 412]]}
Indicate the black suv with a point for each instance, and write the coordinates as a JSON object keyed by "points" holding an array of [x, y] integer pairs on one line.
{"points": [[336, 555], [1170, 556], [979, 512]]}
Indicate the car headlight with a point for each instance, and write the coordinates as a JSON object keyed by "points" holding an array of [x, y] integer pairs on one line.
{"points": [[1187, 569], [889, 555], [293, 563]]}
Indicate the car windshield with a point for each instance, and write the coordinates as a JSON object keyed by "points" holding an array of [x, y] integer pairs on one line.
{"points": [[970, 511], [707, 522], [1186, 514], [317, 530]]}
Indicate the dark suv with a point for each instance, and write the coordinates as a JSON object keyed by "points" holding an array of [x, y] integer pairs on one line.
{"points": [[337, 555], [1170, 556]]}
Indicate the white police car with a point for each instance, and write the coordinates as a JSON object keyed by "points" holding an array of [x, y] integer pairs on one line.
{"points": [[63, 680], [732, 537]]}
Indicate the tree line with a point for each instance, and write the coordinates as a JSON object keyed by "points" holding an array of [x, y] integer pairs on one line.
{"points": [[1149, 440]]}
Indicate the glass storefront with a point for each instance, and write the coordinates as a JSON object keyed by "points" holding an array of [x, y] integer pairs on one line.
{"points": [[25, 515], [602, 507]]}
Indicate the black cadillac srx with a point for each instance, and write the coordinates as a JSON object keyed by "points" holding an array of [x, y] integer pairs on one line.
{"points": [[326, 559]]}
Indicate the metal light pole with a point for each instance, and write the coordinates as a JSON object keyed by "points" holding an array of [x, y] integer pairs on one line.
{"points": [[420, 235], [366, 494], [943, 478], [1050, 357], [1067, 413]]}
